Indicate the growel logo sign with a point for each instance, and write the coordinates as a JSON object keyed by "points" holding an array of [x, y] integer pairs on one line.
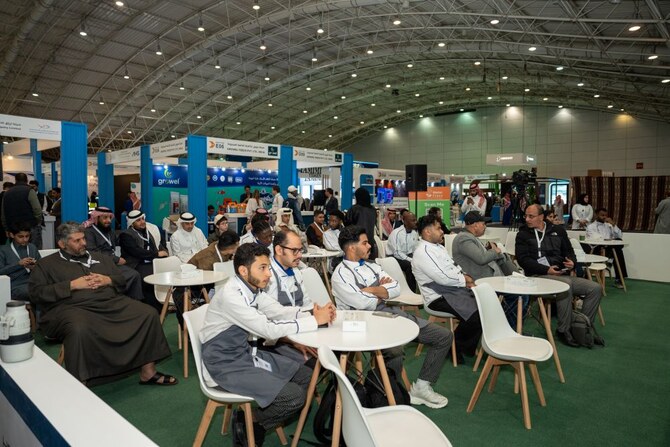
{"points": [[273, 151], [170, 176]]}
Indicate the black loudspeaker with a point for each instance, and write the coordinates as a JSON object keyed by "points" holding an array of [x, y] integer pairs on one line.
{"points": [[416, 177]]}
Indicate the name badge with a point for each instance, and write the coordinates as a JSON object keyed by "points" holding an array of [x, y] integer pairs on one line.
{"points": [[543, 260], [260, 363]]}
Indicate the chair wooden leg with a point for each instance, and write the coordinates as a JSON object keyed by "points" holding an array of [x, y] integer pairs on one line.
{"points": [[61, 355], [550, 337], [454, 356], [601, 317], [227, 413], [524, 396], [480, 384], [249, 423], [480, 354], [494, 378], [205, 295], [31, 315], [405, 380], [184, 329], [166, 303], [536, 381], [179, 344], [601, 275], [205, 421], [281, 435]]}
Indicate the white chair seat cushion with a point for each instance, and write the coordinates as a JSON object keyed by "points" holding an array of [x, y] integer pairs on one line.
{"points": [[437, 313], [597, 267], [521, 348], [408, 299], [224, 396], [402, 425]]}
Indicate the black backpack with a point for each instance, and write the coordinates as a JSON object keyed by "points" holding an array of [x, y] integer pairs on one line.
{"points": [[376, 395], [583, 331]]}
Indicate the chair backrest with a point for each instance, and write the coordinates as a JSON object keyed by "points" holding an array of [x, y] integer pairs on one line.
{"points": [[381, 248], [579, 251], [162, 265], [355, 428], [194, 320], [225, 267], [449, 242], [314, 285], [510, 242], [492, 317], [47, 251], [390, 265]]}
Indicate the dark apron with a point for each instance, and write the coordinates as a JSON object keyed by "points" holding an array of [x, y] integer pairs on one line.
{"points": [[382, 304], [283, 296], [229, 361], [461, 299]]}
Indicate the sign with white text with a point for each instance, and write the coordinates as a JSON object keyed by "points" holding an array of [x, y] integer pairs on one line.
{"points": [[23, 127], [306, 154]]}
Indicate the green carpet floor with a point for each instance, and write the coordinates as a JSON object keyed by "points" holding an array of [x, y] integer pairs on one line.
{"points": [[615, 396]]}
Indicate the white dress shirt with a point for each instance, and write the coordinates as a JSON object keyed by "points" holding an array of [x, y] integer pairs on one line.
{"points": [[478, 205], [289, 284], [331, 240], [346, 279], [277, 202], [603, 230], [401, 244], [432, 263], [185, 244]]}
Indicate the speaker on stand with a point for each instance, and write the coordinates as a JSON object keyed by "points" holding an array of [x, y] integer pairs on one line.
{"points": [[416, 179]]}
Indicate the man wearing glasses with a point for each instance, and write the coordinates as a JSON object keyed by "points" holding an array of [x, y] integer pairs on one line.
{"points": [[544, 250]]}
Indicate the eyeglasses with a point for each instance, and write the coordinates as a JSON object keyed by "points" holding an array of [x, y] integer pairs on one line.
{"points": [[530, 216], [295, 251]]}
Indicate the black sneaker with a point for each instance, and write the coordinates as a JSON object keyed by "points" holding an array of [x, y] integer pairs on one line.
{"points": [[239, 429], [566, 339]]}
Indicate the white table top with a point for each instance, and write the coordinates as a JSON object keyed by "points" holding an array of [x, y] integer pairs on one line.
{"points": [[381, 333], [604, 242], [594, 258], [172, 279], [542, 286], [321, 254]]}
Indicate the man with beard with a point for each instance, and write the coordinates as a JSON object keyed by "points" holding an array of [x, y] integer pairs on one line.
{"points": [[237, 317], [100, 238], [104, 333], [139, 249], [401, 244], [188, 239]]}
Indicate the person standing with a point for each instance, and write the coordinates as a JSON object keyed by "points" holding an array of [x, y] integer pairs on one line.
{"points": [[331, 201], [401, 245], [277, 200], [246, 195], [253, 203], [558, 209], [582, 212], [56, 207], [364, 215], [20, 204], [663, 213], [292, 202], [3, 232]]}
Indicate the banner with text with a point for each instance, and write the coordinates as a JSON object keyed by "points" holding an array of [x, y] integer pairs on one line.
{"points": [[23, 127]]}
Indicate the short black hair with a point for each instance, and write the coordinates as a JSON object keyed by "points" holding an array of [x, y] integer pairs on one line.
{"points": [[339, 214], [57, 189], [259, 226], [227, 239], [210, 207], [330, 190], [34, 182], [247, 253], [602, 208], [276, 188], [434, 210], [21, 177], [281, 236], [428, 220], [18, 227], [247, 186], [350, 235], [259, 217], [7, 185], [318, 213]]}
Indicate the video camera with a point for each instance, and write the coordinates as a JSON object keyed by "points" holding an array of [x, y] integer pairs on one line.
{"points": [[523, 177]]}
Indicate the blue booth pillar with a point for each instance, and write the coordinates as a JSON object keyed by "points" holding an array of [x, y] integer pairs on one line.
{"points": [[347, 181], [105, 182], [285, 175], [197, 179], [54, 175], [147, 183], [74, 170], [37, 164]]}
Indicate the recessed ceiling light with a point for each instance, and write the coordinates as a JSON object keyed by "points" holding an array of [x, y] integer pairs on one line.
{"points": [[272, 127], [596, 96], [665, 81], [545, 99], [304, 111], [461, 110], [609, 106], [397, 21], [373, 104], [229, 97], [478, 63], [580, 84], [490, 97], [353, 75], [362, 122], [526, 90], [420, 116], [441, 102], [410, 65], [330, 136], [467, 89], [153, 110], [119, 3], [508, 105], [101, 102], [652, 57], [130, 131], [343, 97], [441, 44], [302, 131], [504, 78], [560, 68], [36, 94], [238, 122], [560, 107], [172, 136], [494, 22], [199, 117], [385, 126], [397, 111], [369, 51], [441, 78], [308, 88], [532, 48], [335, 117], [388, 86], [417, 94], [634, 28]]}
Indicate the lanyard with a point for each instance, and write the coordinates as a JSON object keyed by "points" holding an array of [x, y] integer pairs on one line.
{"points": [[17, 253], [108, 240], [219, 254], [539, 241], [86, 264], [145, 239]]}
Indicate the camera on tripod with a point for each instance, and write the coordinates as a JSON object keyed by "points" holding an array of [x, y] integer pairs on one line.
{"points": [[523, 177]]}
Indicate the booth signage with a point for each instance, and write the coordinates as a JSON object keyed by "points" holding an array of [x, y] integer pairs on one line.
{"points": [[123, 156], [240, 177], [306, 154], [516, 159], [242, 148], [168, 148], [388, 174], [170, 176], [23, 127]]}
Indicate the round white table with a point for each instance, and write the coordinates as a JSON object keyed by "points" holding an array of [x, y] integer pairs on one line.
{"points": [[323, 255], [381, 333], [175, 279], [593, 243], [537, 287]]}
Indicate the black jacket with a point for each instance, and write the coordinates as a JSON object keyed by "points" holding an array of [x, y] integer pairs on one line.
{"points": [[135, 250], [555, 247]]}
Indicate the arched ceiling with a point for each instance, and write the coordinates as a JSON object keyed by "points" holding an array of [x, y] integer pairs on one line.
{"points": [[365, 70]]}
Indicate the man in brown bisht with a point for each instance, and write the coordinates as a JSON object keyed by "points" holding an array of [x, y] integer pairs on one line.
{"points": [[104, 333]]}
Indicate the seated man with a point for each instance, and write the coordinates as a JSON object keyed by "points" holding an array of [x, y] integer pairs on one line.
{"points": [[101, 238], [544, 250], [261, 233], [239, 314], [605, 228], [220, 226], [220, 251], [361, 285], [316, 229], [139, 249], [401, 244], [444, 286], [104, 333], [331, 237], [388, 223], [18, 258], [188, 239], [483, 261]]}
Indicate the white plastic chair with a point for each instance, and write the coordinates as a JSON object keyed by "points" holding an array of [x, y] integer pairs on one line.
{"points": [[313, 283], [449, 241], [510, 242], [381, 247], [47, 251], [164, 293], [506, 347], [194, 321], [226, 267], [407, 296], [397, 425], [596, 269]]}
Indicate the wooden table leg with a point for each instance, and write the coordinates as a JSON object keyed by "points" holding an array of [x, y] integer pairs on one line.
{"points": [[519, 317], [308, 402], [550, 338], [618, 269], [184, 330], [324, 269], [385, 377], [337, 417], [166, 303]]}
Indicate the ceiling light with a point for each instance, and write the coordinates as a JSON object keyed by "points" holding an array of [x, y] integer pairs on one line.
{"points": [[494, 22], [159, 52], [218, 65], [580, 84], [441, 44], [467, 89], [304, 111], [461, 110], [385, 126], [362, 122], [153, 109], [504, 78], [532, 48], [373, 104], [478, 63], [330, 136], [370, 51], [119, 3], [201, 27], [665, 81], [397, 21], [302, 131], [267, 77], [397, 111], [622, 110], [130, 131], [353, 75], [560, 107], [559, 68], [256, 5], [320, 30], [262, 45], [343, 97], [545, 99], [526, 90], [441, 102], [272, 127], [335, 117], [101, 102], [269, 104], [308, 88], [634, 28], [199, 117], [5, 142], [36, 94], [441, 78], [652, 57], [490, 97], [125, 74], [420, 116], [417, 94], [229, 96], [609, 106], [388, 86], [82, 30], [181, 86], [9, 157], [410, 65], [508, 105], [173, 136]]}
